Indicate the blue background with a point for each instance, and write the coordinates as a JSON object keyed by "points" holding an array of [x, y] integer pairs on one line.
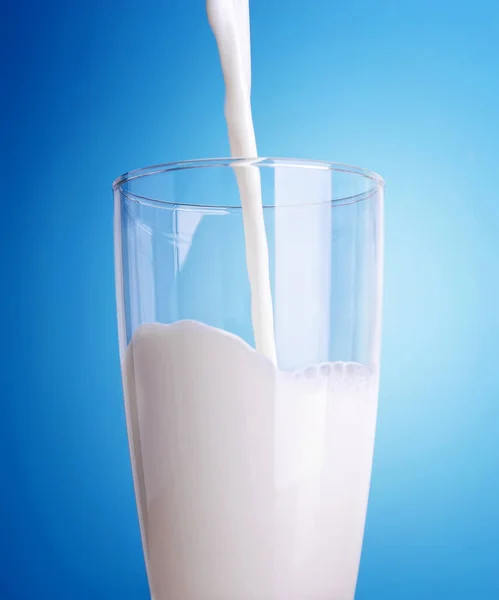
{"points": [[92, 89]]}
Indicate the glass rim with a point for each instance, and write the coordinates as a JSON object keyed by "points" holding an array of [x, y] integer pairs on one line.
{"points": [[269, 162]]}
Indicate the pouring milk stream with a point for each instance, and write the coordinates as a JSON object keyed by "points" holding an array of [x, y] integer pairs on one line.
{"points": [[230, 22]]}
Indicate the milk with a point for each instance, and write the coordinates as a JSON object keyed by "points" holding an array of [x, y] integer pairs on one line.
{"points": [[251, 483], [229, 20]]}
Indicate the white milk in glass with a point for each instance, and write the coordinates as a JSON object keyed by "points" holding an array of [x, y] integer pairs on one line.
{"points": [[251, 483]]}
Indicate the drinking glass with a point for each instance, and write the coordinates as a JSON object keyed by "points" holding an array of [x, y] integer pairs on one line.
{"points": [[251, 480]]}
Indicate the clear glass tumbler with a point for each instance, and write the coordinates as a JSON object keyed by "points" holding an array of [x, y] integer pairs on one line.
{"points": [[251, 480]]}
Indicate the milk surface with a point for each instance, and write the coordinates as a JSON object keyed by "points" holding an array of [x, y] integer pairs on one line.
{"points": [[252, 484]]}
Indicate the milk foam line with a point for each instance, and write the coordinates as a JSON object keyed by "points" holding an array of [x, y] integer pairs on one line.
{"points": [[229, 20]]}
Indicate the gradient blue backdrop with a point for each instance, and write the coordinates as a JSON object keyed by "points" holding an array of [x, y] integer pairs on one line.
{"points": [[91, 89]]}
